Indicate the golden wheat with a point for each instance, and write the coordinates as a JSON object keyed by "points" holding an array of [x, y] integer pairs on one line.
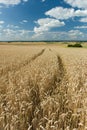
{"points": [[43, 88]]}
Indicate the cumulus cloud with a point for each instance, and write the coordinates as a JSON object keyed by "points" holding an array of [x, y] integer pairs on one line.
{"points": [[43, 0], [59, 35], [8, 31], [25, 0], [2, 22], [12, 26], [84, 20], [75, 33], [57, 14], [80, 13], [81, 27], [23, 21], [12, 34], [65, 13], [77, 3], [11, 2], [46, 24], [60, 13], [24, 32]]}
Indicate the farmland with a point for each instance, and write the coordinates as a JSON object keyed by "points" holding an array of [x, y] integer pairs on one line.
{"points": [[43, 87]]}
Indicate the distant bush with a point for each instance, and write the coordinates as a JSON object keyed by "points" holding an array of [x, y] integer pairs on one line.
{"points": [[9, 41], [75, 45], [70, 45]]}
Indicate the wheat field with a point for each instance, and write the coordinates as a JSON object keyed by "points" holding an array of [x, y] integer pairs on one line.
{"points": [[43, 87]]}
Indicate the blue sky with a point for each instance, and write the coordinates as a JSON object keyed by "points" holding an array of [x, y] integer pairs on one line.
{"points": [[43, 20]]}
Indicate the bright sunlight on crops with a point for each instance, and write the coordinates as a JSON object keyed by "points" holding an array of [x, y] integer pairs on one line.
{"points": [[43, 87]]}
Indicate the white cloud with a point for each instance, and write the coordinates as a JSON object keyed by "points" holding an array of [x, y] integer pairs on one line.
{"points": [[11, 2], [12, 34], [46, 24], [24, 32], [84, 20], [56, 14], [2, 22], [25, 0], [60, 13], [8, 31], [43, 0], [65, 13], [19, 34], [12, 26], [75, 33], [60, 35], [23, 21], [80, 13], [81, 27], [77, 3]]}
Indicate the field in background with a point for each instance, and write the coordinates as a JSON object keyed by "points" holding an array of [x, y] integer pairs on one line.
{"points": [[61, 44], [22, 43], [43, 87]]}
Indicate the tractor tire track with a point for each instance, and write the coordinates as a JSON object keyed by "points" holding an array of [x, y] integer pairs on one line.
{"points": [[59, 92], [59, 77], [57, 89], [53, 90]]}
